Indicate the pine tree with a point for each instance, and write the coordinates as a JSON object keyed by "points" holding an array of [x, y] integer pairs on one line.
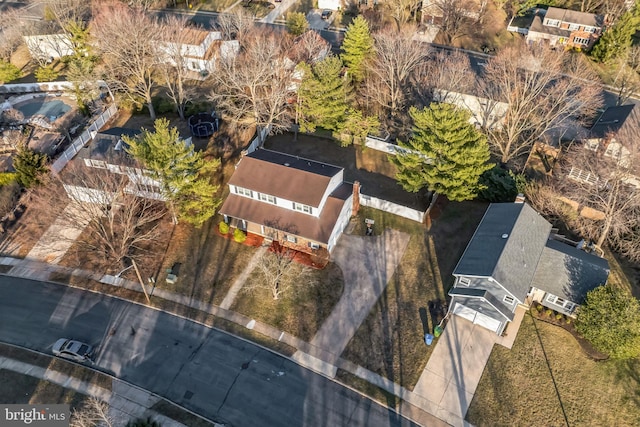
{"points": [[183, 173], [297, 23], [29, 166], [322, 95], [616, 40], [357, 47], [446, 153]]}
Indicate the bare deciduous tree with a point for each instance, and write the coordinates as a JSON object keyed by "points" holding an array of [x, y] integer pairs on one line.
{"points": [[10, 33], [117, 223], [93, 412], [254, 87], [280, 274], [601, 182], [402, 11], [127, 39], [396, 58], [181, 88], [445, 72], [310, 47], [235, 25], [626, 82], [545, 90], [456, 17]]}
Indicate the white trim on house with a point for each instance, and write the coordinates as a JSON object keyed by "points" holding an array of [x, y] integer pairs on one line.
{"points": [[560, 302]]}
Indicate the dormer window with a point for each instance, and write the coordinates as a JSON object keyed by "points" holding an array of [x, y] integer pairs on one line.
{"points": [[552, 22], [244, 192], [302, 208], [267, 198]]}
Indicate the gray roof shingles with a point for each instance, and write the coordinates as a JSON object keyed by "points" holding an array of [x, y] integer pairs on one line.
{"points": [[506, 246], [568, 272]]}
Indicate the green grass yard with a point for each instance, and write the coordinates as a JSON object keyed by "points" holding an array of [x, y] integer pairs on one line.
{"points": [[390, 341], [516, 387]]}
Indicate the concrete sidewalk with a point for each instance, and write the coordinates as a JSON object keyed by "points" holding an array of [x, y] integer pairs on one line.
{"points": [[126, 403]]}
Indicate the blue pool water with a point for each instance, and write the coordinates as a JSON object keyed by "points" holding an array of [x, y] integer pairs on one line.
{"points": [[41, 106]]}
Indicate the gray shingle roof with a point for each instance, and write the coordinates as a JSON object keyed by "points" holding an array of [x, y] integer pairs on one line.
{"points": [[506, 246], [569, 272], [575, 17]]}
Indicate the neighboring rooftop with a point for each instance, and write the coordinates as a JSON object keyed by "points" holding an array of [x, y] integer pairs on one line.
{"points": [[282, 175], [506, 246], [568, 272], [575, 17], [611, 120]]}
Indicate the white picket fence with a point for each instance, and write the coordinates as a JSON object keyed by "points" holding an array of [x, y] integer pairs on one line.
{"points": [[35, 87], [85, 137]]}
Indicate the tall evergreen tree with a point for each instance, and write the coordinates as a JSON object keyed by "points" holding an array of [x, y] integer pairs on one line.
{"points": [[297, 23], [616, 40], [446, 153], [322, 95], [30, 166], [183, 173], [356, 47]]}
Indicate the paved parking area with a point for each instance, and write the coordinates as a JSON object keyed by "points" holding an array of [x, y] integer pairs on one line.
{"points": [[314, 17]]}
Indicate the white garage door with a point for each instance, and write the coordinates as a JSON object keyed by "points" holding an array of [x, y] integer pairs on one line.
{"points": [[476, 317]]}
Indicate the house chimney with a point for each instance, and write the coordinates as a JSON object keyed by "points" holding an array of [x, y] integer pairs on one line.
{"points": [[355, 207], [520, 198]]}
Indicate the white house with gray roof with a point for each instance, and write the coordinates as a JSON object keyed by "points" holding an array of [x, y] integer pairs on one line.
{"points": [[512, 260]]}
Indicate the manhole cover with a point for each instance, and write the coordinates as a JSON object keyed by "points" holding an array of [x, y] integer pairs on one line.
{"points": [[188, 394]]}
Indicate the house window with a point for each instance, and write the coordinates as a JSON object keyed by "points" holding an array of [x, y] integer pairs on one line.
{"points": [[313, 245], [464, 281], [567, 305], [591, 30], [613, 150], [291, 239], [301, 208], [574, 27], [98, 164], [508, 299], [552, 22], [244, 192], [267, 198], [592, 144], [581, 40]]}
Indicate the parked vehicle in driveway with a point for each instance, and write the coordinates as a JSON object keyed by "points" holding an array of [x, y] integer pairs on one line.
{"points": [[326, 14], [73, 350]]}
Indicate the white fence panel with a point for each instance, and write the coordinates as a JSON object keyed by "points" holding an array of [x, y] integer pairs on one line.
{"points": [[84, 137], [394, 208]]}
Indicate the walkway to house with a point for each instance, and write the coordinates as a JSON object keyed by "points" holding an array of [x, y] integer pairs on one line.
{"points": [[456, 365], [125, 401], [228, 300], [59, 237], [367, 264], [279, 11]]}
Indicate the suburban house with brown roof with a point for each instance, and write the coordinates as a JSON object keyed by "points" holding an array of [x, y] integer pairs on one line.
{"points": [[300, 203], [560, 27]]}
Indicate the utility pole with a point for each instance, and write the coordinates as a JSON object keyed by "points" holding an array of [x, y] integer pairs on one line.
{"points": [[140, 280]]}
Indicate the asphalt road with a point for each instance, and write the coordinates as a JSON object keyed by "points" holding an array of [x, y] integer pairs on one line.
{"points": [[212, 373]]}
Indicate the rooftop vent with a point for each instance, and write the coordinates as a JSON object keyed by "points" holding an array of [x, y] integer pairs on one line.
{"points": [[505, 235], [287, 164]]}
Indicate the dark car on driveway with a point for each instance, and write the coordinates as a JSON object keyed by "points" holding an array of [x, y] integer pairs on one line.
{"points": [[326, 14]]}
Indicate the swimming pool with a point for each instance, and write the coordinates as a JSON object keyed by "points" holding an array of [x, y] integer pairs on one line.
{"points": [[52, 109]]}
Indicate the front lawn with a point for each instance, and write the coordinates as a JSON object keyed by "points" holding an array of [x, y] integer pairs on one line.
{"points": [[214, 5], [300, 313], [517, 388], [391, 340]]}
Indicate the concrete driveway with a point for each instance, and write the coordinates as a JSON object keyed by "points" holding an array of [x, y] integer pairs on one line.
{"points": [[314, 17], [454, 369], [367, 264]]}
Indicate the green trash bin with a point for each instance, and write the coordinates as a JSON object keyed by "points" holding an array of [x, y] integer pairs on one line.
{"points": [[437, 331]]}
